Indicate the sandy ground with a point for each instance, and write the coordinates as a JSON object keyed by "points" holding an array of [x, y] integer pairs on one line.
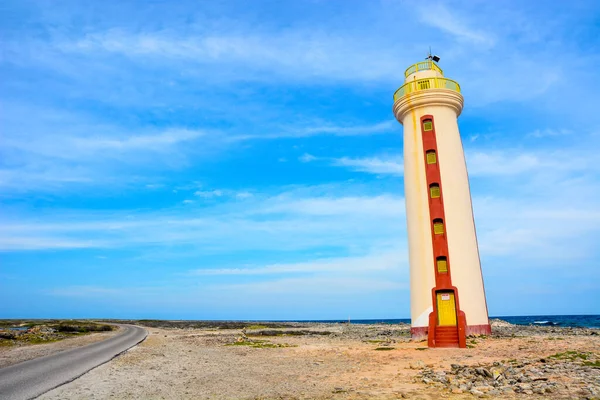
{"points": [[199, 364], [17, 354]]}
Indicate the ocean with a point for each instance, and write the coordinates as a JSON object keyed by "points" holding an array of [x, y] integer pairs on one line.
{"points": [[574, 321]]}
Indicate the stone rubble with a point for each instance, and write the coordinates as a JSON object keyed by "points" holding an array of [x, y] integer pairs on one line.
{"points": [[541, 377]]}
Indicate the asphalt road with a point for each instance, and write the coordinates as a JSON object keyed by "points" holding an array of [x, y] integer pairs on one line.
{"points": [[32, 378]]}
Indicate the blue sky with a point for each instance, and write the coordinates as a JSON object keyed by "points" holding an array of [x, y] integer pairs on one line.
{"points": [[216, 160]]}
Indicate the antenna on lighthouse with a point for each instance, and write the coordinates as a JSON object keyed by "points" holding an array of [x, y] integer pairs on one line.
{"points": [[432, 57]]}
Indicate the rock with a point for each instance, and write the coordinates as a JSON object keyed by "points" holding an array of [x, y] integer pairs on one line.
{"points": [[457, 391], [497, 374], [476, 392]]}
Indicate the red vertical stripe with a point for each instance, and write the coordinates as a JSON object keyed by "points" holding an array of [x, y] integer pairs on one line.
{"points": [[443, 281]]}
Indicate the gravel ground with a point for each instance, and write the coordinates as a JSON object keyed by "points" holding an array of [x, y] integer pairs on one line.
{"points": [[337, 361]]}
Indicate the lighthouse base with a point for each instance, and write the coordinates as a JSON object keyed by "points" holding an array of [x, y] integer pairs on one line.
{"points": [[478, 330], [419, 333]]}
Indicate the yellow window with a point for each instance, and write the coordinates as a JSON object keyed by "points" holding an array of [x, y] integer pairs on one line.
{"points": [[442, 265], [427, 125], [434, 190], [438, 226], [431, 157], [424, 84]]}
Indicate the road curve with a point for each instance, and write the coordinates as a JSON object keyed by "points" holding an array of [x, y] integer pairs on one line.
{"points": [[32, 378]]}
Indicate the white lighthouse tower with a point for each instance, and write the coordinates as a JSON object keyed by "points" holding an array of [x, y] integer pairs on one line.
{"points": [[446, 285]]}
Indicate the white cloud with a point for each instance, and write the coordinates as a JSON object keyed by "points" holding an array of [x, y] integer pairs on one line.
{"points": [[295, 53], [535, 162], [83, 291], [306, 158], [243, 195], [373, 165], [382, 205], [106, 147], [147, 142], [291, 221], [316, 130], [544, 133], [549, 232], [217, 193], [30, 241], [439, 16], [379, 261], [321, 286], [207, 194]]}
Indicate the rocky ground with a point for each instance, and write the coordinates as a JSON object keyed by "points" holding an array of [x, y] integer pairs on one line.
{"points": [[340, 361]]}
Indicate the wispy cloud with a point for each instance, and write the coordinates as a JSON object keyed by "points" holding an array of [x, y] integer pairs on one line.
{"points": [[372, 165], [542, 133], [320, 286], [379, 165], [385, 260], [285, 221], [207, 194], [313, 54], [306, 158], [514, 162], [439, 16], [35, 155], [83, 291], [316, 130]]}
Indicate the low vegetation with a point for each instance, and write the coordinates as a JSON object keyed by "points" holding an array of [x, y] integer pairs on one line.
{"points": [[587, 359], [571, 356], [153, 323], [26, 332], [273, 332], [259, 344]]}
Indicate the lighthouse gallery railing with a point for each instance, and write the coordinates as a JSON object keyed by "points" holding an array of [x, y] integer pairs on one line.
{"points": [[422, 66], [424, 84]]}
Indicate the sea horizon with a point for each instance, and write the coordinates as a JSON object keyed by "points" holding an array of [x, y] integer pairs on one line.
{"points": [[567, 320]]}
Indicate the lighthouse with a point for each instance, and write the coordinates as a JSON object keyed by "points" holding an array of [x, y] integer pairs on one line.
{"points": [[446, 284]]}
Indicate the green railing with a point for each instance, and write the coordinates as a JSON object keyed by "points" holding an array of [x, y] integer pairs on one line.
{"points": [[425, 84], [422, 66]]}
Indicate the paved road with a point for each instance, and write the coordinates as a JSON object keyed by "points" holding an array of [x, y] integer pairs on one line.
{"points": [[31, 378]]}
